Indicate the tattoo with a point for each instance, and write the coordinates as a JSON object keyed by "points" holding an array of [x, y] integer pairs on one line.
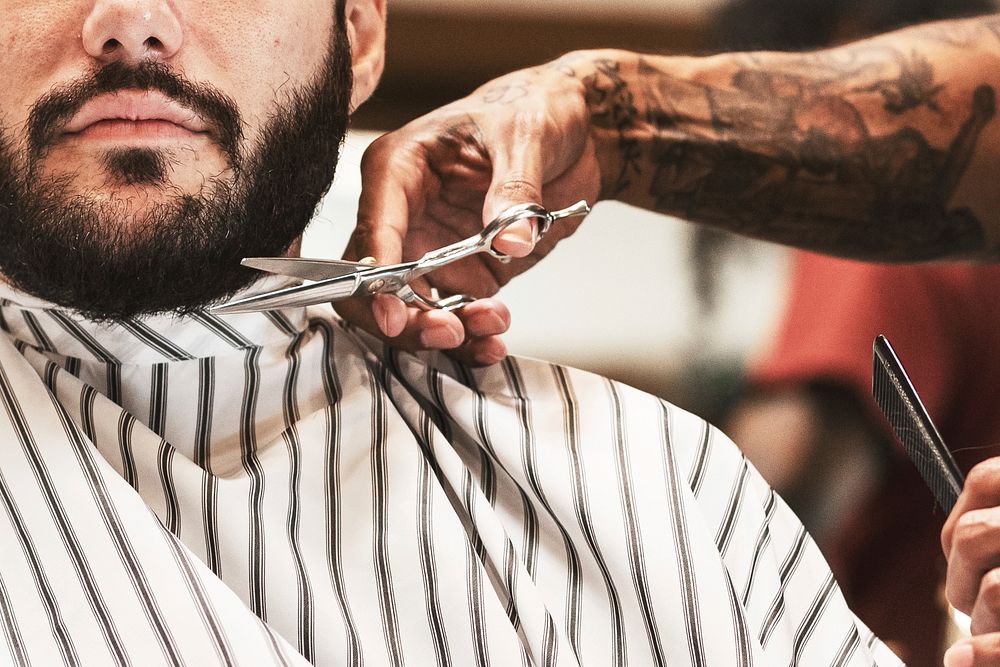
{"points": [[790, 157], [913, 88], [612, 106], [507, 93], [566, 64]]}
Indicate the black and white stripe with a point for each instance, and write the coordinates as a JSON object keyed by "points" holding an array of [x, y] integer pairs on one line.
{"points": [[277, 489]]}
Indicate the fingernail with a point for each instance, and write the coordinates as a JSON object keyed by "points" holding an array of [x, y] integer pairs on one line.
{"points": [[439, 338], [520, 236], [960, 655]]}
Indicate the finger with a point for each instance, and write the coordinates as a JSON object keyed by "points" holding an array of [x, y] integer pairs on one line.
{"points": [[982, 489], [475, 342], [484, 317], [974, 552], [390, 193], [986, 612], [484, 351], [431, 330], [359, 312], [440, 330], [390, 314], [517, 179], [979, 651], [435, 330], [518, 240], [484, 320]]}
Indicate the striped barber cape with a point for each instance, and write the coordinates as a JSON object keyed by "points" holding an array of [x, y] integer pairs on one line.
{"points": [[275, 488]]}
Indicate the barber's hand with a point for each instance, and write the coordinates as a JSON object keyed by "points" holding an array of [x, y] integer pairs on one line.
{"points": [[522, 138], [971, 542]]}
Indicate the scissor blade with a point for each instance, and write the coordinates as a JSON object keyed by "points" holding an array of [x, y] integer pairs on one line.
{"points": [[307, 269], [292, 297]]}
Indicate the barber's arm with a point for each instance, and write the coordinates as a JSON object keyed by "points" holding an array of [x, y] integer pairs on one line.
{"points": [[885, 149], [971, 542]]}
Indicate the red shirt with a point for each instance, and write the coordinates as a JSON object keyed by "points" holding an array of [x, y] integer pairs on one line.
{"points": [[943, 321]]}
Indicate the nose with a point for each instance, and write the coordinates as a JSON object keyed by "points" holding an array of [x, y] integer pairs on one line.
{"points": [[132, 30]]}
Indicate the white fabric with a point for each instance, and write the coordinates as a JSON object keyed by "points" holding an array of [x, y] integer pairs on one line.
{"points": [[276, 489]]}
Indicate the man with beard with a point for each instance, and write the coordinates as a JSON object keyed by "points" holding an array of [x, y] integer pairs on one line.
{"points": [[275, 488]]}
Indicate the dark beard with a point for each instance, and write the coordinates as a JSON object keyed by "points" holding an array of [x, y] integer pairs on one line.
{"points": [[186, 252]]}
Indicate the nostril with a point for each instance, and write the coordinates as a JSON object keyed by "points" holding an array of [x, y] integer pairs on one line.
{"points": [[153, 44], [111, 46]]}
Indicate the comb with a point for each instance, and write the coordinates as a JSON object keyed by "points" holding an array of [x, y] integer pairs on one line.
{"points": [[901, 406]]}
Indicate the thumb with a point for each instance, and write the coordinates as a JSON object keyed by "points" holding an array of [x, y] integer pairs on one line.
{"points": [[513, 184]]}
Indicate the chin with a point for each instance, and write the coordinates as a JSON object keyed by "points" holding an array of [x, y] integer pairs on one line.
{"points": [[138, 172]]}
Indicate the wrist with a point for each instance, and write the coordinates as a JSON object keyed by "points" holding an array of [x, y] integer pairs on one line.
{"points": [[616, 86]]}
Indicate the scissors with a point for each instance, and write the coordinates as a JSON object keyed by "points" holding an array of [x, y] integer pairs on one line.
{"points": [[331, 280]]}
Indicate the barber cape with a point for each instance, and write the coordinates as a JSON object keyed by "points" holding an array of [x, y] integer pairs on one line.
{"points": [[274, 488]]}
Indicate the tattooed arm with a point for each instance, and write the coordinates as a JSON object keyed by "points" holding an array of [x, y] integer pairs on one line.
{"points": [[885, 149]]}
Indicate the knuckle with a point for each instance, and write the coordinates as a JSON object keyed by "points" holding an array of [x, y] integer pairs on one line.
{"points": [[377, 150], [365, 227], [391, 152], [968, 528], [989, 591], [984, 475], [977, 533], [519, 187]]}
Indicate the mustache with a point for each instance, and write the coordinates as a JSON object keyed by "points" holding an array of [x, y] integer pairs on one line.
{"points": [[53, 110]]}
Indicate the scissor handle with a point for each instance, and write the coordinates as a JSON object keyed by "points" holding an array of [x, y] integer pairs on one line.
{"points": [[447, 304], [527, 212], [483, 241]]}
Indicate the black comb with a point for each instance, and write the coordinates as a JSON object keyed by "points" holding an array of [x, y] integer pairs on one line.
{"points": [[898, 400]]}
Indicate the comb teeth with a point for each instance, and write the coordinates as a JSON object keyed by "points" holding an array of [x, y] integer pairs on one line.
{"points": [[913, 427]]}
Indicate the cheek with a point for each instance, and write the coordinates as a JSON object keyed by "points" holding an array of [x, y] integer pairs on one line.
{"points": [[38, 41], [255, 54]]}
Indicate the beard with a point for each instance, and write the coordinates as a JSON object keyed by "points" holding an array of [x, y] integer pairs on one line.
{"points": [[107, 259]]}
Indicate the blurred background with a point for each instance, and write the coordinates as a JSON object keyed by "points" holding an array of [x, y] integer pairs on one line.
{"points": [[773, 346]]}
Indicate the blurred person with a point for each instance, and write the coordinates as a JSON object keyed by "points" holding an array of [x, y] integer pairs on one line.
{"points": [[812, 427], [178, 487], [884, 149]]}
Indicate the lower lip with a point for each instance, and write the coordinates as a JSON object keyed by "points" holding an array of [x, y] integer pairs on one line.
{"points": [[134, 129]]}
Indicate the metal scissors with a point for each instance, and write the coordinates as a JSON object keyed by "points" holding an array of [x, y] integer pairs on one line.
{"points": [[331, 280]]}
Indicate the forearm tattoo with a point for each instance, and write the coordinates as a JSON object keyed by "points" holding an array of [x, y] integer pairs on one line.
{"points": [[830, 151], [611, 104]]}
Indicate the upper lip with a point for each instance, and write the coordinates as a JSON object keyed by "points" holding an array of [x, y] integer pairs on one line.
{"points": [[135, 105]]}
